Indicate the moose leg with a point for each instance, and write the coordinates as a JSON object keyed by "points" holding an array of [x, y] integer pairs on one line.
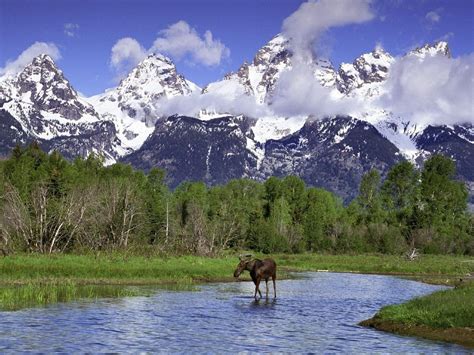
{"points": [[257, 284], [266, 284], [274, 287]]}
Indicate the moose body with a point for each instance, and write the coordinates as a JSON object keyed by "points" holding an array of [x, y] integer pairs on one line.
{"points": [[259, 270]]}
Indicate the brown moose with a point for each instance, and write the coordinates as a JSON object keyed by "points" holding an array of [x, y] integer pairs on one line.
{"points": [[259, 270]]}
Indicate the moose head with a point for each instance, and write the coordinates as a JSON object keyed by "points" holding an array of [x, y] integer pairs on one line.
{"points": [[243, 264]]}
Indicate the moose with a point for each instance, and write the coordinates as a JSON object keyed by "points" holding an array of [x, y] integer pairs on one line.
{"points": [[259, 269]]}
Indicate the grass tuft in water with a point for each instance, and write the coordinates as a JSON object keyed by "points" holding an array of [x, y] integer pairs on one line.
{"points": [[40, 294]]}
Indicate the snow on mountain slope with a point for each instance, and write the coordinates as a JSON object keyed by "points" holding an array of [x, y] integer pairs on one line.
{"points": [[359, 77], [49, 110], [259, 78], [365, 79], [131, 104], [44, 103], [438, 48]]}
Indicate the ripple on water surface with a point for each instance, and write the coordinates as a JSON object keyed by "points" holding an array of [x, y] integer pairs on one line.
{"points": [[318, 312]]}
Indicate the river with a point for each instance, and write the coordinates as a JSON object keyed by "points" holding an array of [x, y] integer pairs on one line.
{"points": [[317, 312]]}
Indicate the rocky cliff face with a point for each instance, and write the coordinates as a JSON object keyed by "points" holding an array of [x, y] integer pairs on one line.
{"points": [[368, 68], [190, 149], [332, 153]]}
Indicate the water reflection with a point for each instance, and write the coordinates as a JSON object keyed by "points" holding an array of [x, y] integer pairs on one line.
{"points": [[317, 313], [264, 302]]}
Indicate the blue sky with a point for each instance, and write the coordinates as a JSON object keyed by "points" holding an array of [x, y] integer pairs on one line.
{"points": [[242, 26]]}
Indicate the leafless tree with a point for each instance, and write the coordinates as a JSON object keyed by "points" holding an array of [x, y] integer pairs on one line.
{"points": [[44, 224]]}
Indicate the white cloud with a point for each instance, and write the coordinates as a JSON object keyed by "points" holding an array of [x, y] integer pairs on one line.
{"points": [[70, 29], [180, 40], [191, 105], [433, 17], [446, 37], [126, 53], [15, 66], [433, 90], [298, 92], [306, 25]]}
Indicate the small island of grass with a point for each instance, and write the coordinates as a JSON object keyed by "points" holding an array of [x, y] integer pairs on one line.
{"points": [[445, 315]]}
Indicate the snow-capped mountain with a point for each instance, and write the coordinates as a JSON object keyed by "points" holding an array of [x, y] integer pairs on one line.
{"points": [[259, 78], [333, 152], [123, 123], [365, 78], [369, 68], [131, 104], [214, 151], [41, 105]]}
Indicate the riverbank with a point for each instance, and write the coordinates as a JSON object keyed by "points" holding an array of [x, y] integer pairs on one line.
{"points": [[445, 315], [29, 280]]}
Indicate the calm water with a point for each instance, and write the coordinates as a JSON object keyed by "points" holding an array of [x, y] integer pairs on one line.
{"points": [[318, 313]]}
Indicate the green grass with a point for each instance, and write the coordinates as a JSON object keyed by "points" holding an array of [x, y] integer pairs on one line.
{"points": [[121, 269], [29, 280], [444, 309], [114, 269], [381, 264], [40, 294]]}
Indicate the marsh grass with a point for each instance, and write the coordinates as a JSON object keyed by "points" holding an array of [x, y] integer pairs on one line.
{"points": [[40, 294], [444, 309], [35, 280], [115, 269]]}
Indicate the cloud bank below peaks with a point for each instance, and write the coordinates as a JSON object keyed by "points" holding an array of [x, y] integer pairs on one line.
{"points": [[299, 92], [432, 90], [212, 102]]}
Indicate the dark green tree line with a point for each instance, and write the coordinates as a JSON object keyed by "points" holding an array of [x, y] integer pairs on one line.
{"points": [[51, 205]]}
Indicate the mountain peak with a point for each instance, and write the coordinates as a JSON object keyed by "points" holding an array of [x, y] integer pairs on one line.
{"points": [[275, 50], [43, 58], [156, 75], [42, 69], [280, 39], [44, 85], [437, 48], [368, 68], [156, 59], [131, 105]]}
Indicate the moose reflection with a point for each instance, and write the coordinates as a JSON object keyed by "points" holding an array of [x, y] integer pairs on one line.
{"points": [[259, 269]]}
